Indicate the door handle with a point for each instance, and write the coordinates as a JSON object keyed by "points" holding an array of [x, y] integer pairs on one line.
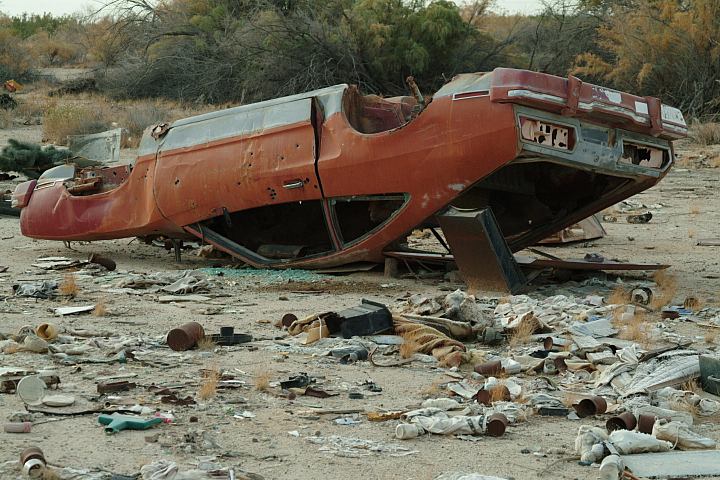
{"points": [[293, 184]]}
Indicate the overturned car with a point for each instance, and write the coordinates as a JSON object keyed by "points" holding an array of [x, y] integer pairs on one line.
{"points": [[332, 176]]}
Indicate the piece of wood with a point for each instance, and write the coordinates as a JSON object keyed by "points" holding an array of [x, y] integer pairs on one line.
{"points": [[391, 267]]}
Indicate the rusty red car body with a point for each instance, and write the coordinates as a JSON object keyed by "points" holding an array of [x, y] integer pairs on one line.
{"points": [[331, 177]]}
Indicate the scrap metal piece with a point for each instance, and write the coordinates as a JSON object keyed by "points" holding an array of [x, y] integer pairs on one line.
{"points": [[102, 147], [228, 337], [481, 252], [368, 318]]}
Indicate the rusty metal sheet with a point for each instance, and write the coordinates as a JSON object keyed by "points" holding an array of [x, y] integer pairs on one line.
{"points": [[102, 147], [480, 251]]}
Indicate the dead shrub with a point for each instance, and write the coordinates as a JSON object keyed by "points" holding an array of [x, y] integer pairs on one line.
{"points": [[63, 120], [435, 389], [710, 335], [69, 286], [31, 111], [100, 309], [498, 393], [667, 287], [522, 334], [209, 383], [693, 303], [206, 344], [636, 329], [262, 382], [694, 209], [7, 118], [705, 133], [570, 399], [138, 116], [619, 296], [49, 474], [692, 233], [410, 345]]}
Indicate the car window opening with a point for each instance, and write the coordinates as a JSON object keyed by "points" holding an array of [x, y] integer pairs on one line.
{"points": [[373, 114], [285, 231]]}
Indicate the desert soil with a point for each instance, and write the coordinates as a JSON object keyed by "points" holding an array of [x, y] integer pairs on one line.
{"points": [[685, 207]]}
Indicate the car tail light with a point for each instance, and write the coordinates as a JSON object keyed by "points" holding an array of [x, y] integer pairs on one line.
{"points": [[547, 134], [644, 155], [22, 194]]}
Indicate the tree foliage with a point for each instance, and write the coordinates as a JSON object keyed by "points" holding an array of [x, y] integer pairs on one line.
{"points": [[664, 48], [230, 50]]}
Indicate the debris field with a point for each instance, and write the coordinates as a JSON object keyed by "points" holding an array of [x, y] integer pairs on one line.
{"points": [[274, 380]]}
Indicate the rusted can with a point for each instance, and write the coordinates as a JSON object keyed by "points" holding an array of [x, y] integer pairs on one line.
{"points": [[108, 263], [496, 424], [489, 368], [590, 406], [645, 423], [288, 319], [17, 427], [185, 337], [33, 462], [624, 421], [109, 387]]}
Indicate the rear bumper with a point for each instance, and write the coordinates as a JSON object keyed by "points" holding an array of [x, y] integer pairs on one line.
{"points": [[572, 97]]}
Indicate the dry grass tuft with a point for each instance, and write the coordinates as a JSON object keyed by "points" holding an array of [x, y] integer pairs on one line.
{"points": [[100, 309], [570, 399], [7, 118], [410, 345], [683, 406], [209, 383], [619, 296], [206, 344], [692, 386], [694, 209], [69, 286], [710, 335], [498, 393], [523, 333], [63, 120], [435, 389], [49, 474], [262, 382], [693, 303], [705, 133], [636, 329], [692, 232], [667, 287]]}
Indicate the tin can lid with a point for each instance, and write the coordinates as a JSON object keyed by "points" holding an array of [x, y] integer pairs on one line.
{"points": [[31, 389]]}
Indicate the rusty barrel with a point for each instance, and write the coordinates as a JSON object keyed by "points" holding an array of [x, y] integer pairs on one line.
{"points": [[624, 421], [645, 423], [185, 337], [489, 368], [288, 319], [33, 462], [590, 406], [496, 424]]}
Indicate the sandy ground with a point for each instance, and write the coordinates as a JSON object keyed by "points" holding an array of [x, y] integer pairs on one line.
{"points": [[262, 445]]}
